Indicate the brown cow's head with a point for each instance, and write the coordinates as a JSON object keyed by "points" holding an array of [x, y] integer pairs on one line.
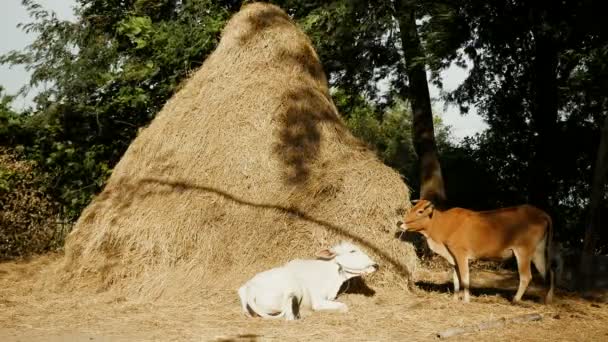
{"points": [[418, 217]]}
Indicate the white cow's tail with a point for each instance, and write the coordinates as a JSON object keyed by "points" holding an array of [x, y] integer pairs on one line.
{"points": [[287, 305]]}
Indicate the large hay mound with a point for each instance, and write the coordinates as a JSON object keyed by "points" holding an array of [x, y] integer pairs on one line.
{"points": [[247, 166]]}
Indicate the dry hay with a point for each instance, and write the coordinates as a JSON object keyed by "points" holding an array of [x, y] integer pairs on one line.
{"points": [[389, 315], [247, 166]]}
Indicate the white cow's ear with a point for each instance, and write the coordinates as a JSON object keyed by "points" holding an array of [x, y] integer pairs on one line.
{"points": [[325, 254]]}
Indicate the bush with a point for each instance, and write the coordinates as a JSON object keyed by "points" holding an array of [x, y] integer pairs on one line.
{"points": [[28, 217]]}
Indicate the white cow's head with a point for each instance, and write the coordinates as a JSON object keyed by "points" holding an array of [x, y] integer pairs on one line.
{"points": [[352, 260]]}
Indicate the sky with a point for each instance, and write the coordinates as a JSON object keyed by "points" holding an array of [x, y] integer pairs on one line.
{"points": [[461, 125], [12, 38], [12, 79]]}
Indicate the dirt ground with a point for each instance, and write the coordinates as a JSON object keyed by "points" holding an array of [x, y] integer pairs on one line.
{"points": [[389, 314]]}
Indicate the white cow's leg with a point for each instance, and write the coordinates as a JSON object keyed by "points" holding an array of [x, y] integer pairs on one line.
{"points": [[268, 304], [243, 297], [291, 307], [289, 316], [329, 305]]}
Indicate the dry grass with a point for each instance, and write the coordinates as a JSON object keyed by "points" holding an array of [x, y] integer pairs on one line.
{"points": [[390, 314], [247, 166]]}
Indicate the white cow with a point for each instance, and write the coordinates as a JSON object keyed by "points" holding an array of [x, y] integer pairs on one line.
{"points": [[281, 292]]}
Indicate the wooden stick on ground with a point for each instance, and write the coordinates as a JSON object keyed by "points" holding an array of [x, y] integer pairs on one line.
{"points": [[489, 325]]}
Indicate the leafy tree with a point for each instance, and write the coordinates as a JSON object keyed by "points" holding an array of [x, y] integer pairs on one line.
{"points": [[109, 73], [535, 78]]}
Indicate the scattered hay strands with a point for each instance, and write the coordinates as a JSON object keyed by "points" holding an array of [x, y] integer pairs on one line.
{"points": [[493, 324]]}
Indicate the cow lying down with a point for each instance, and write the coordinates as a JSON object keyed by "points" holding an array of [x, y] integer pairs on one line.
{"points": [[281, 292]]}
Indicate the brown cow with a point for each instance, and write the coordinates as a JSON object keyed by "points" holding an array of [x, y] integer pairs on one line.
{"points": [[460, 235]]}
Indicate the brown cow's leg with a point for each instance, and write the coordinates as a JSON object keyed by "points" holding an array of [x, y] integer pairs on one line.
{"points": [[462, 262], [540, 261], [539, 258], [456, 283], [523, 265]]}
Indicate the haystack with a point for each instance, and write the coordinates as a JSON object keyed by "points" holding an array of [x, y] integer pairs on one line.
{"points": [[247, 166]]}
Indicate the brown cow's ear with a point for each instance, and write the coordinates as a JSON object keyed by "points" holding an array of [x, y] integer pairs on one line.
{"points": [[325, 254]]}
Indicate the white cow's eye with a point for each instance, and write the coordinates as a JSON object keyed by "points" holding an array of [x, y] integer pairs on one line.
{"points": [[353, 251]]}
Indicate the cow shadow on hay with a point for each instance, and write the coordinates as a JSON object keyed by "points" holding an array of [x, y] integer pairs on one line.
{"points": [[418, 241], [358, 286], [448, 287], [501, 283]]}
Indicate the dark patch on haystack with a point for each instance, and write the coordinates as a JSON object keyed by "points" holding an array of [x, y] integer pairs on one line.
{"points": [[248, 166]]}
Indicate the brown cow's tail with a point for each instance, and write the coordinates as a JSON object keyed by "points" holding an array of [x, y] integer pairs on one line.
{"points": [[549, 265]]}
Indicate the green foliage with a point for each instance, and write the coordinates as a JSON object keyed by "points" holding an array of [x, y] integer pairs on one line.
{"points": [[389, 132], [10, 121], [137, 29], [110, 72]]}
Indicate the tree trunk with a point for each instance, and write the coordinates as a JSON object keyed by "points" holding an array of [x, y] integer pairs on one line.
{"points": [[585, 276], [423, 133], [597, 192], [544, 115]]}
